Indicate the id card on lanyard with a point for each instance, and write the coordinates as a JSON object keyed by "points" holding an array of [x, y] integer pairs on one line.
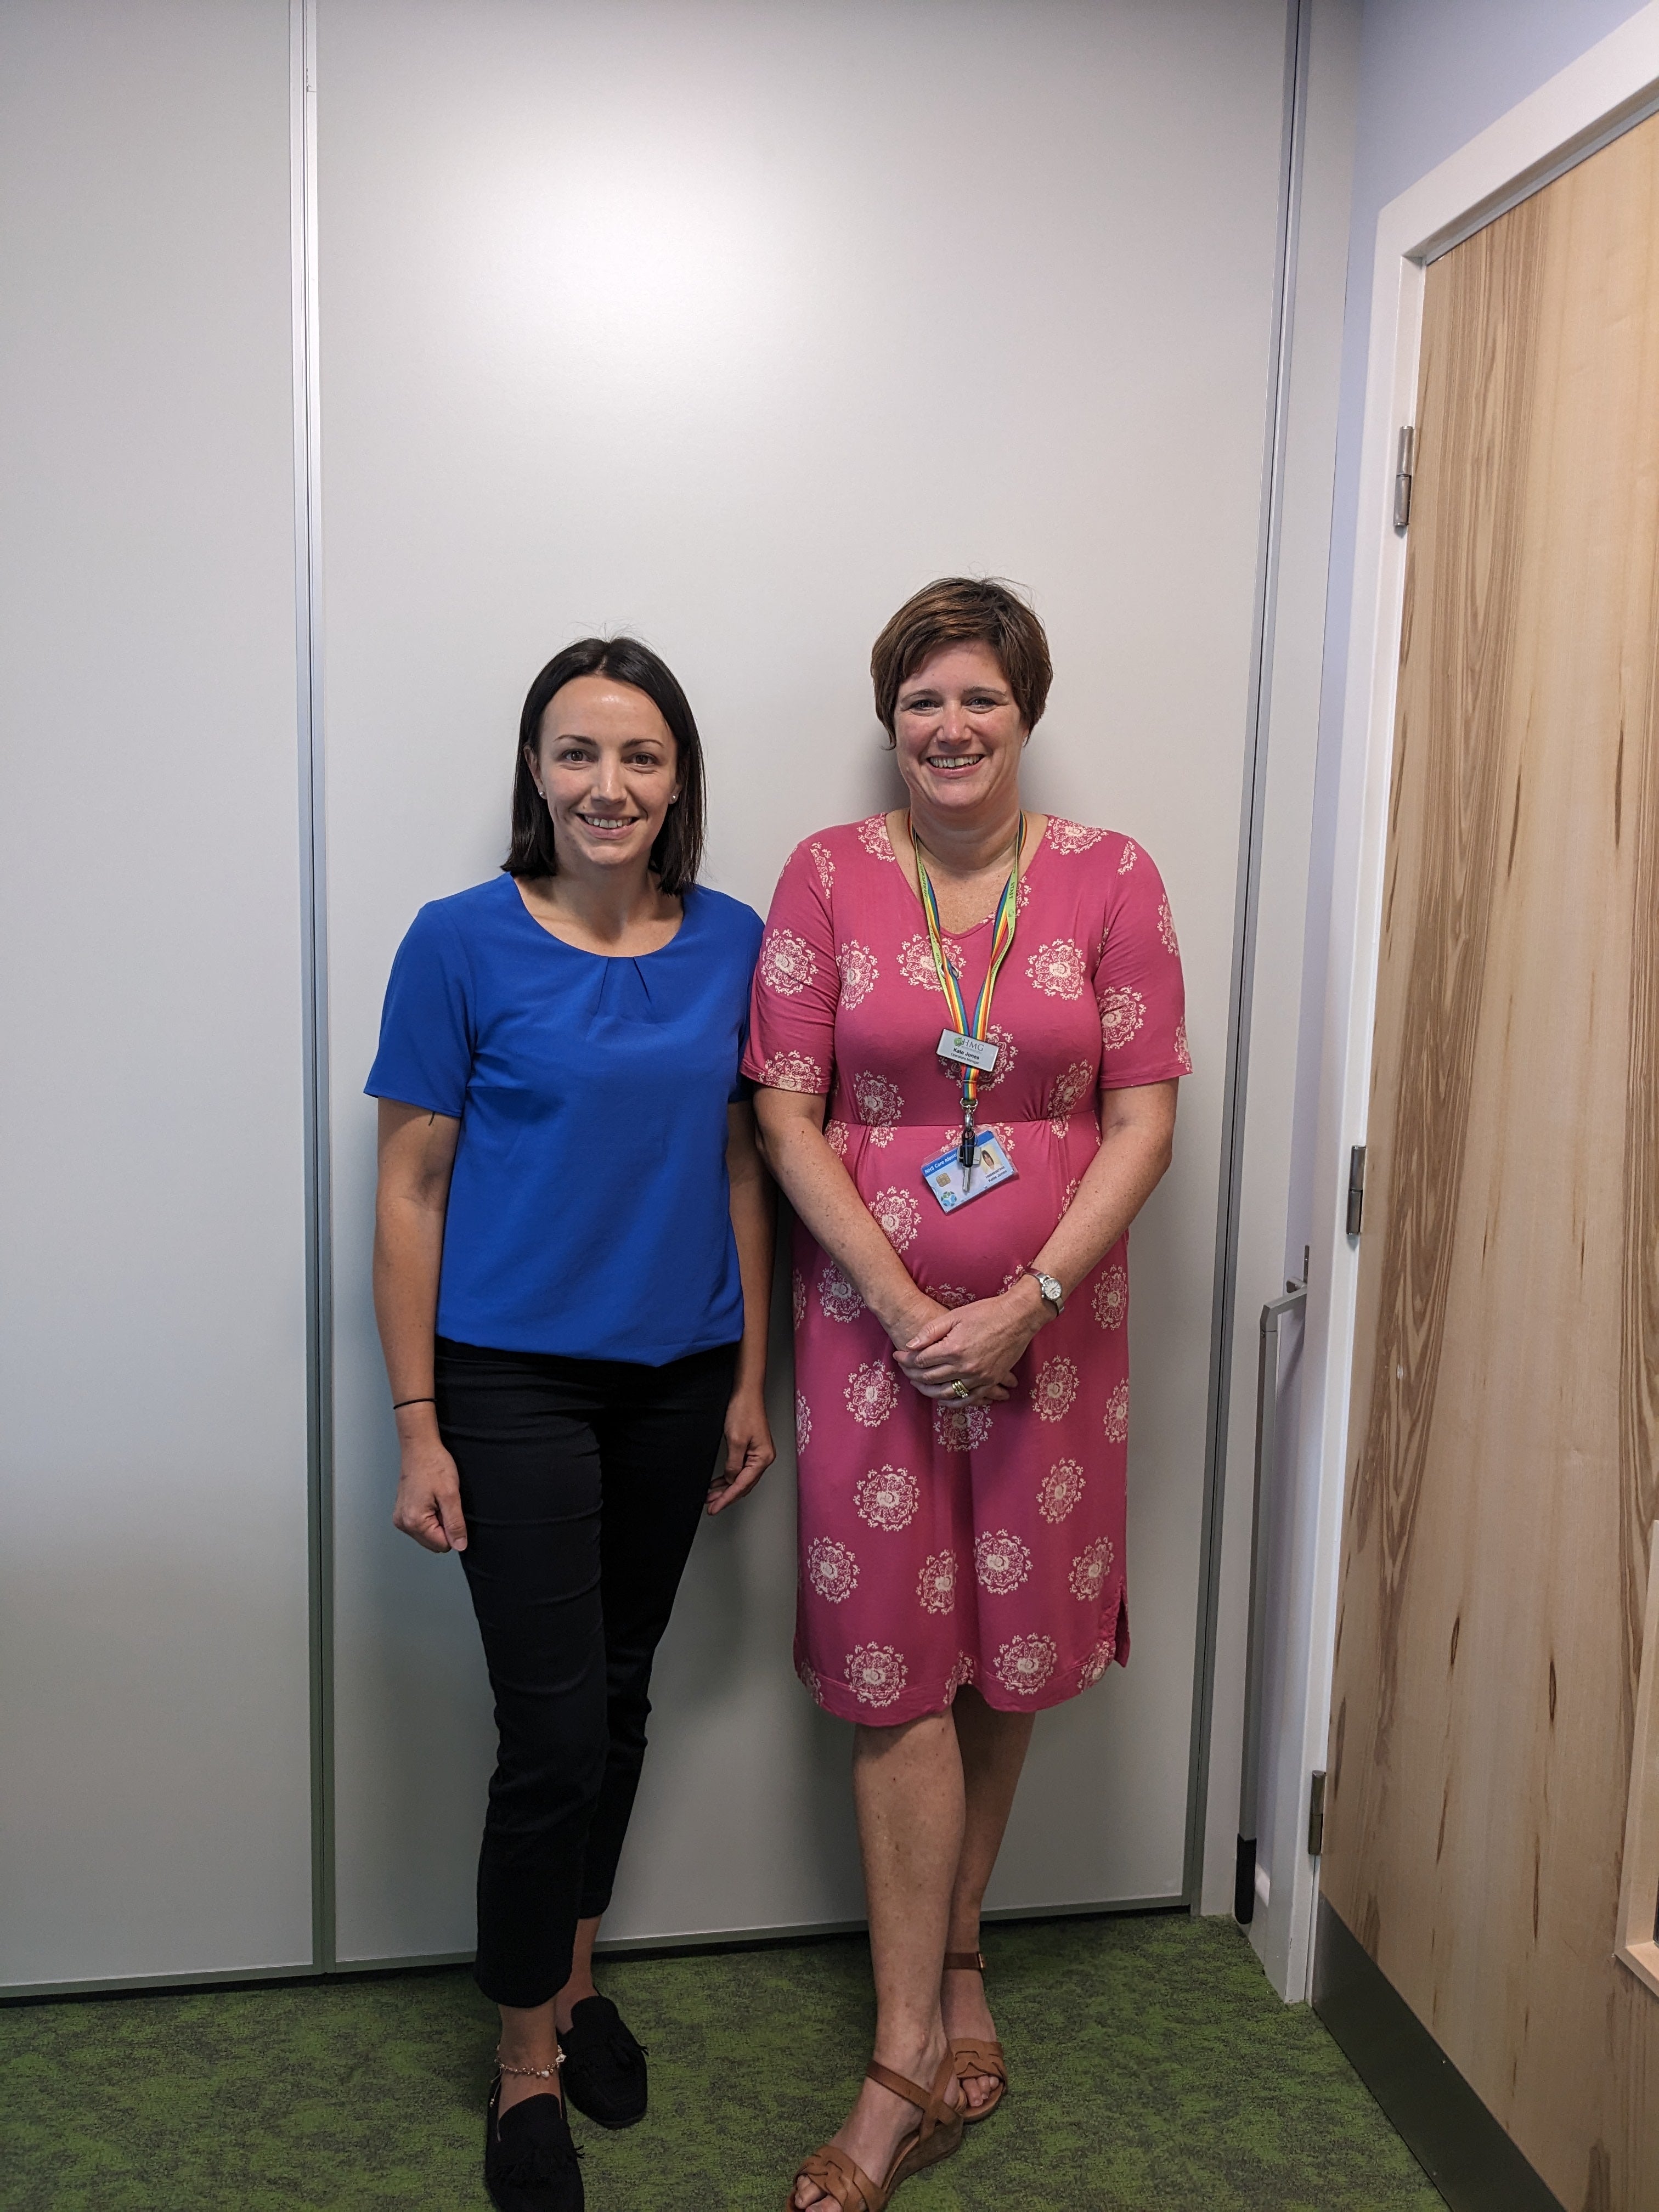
{"points": [[979, 1164]]}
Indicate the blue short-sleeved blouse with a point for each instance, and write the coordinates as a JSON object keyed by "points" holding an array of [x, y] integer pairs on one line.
{"points": [[589, 1211]]}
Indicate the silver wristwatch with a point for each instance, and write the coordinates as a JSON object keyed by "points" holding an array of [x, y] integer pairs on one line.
{"points": [[1048, 1291]]}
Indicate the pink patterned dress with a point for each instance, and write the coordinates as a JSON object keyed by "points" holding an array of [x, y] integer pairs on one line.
{"points": [[943, 1544]]}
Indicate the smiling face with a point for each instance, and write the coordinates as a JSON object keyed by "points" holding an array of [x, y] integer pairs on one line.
{"points": [[958, 736], [606, 763]]}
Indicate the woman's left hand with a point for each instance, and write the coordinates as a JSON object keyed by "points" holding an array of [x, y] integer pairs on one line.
{"points": [[978, 1345], [749, 1449]]}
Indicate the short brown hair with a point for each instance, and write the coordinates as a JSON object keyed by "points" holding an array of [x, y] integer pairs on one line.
{"points": [[678, 852], [955, 611]]}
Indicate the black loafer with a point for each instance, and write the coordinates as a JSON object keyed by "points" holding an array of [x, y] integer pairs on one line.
{"points": [[604, 2072], [530, 2161]]}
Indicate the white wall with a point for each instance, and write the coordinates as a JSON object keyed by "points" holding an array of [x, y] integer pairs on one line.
{"points": [[735, 325], [729, 323], [153, 1577]]}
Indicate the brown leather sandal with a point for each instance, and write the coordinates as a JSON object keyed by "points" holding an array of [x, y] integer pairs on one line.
{"points": [[844, 2181], [973, 2058]]}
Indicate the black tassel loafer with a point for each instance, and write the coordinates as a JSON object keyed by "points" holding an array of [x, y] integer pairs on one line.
{"points": [[604, 2066], [530, 2161]]}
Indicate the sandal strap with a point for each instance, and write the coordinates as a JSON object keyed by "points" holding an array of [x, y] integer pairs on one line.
{"points": [[964, 1962], [842, 2178], [973, 2058], [935, 2113]]}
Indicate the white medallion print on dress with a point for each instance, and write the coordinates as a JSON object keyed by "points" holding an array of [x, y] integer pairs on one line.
{"points": [[961, 1675], [1060, 1489], [836, 1295], [887, 1498], [1127, 859], [876, 1674], [798, 1295], [803, 1422], [1071, 836], [881, 1106], [835, 1135], [936, 1586], [807, 1677], [832, 1568], [795, 1070], [1089, 1569], [825, 861], [949, 1294], [787, 963], [1097, 1664], [871, 1393], [1025, 1663], [916, 960], [1058, 970], [1111, 1299], [1117, 1415], [1066, 1091], [1122, 1013], [1054, 1391], [1001, 1562], [859, 973], [960, 1428], [1007, 1053], [1166, 928], [898, 1216], [872, 835]]}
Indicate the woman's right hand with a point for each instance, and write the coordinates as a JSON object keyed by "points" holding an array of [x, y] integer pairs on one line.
{"points": [[925, 1318], [428, 1506]]}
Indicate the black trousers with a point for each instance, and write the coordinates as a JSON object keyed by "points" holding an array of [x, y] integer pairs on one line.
{"points": [[581, 1481]]}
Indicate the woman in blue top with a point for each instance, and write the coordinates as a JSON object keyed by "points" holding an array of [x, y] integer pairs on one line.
{"points": [[572, 1261]]}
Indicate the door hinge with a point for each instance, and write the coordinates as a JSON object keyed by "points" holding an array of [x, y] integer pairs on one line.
{"points": [[1402, 478], [1317, 1814], [1356, 1189]]}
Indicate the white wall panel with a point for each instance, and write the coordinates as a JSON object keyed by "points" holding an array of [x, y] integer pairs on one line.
{"points": [[734, 324], [153, 1578]]}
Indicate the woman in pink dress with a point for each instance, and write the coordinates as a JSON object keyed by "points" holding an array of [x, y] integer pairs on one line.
{"points": [[962, 1361]]}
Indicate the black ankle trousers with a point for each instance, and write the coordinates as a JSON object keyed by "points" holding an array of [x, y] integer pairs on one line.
{"points": [[581, 1482]]}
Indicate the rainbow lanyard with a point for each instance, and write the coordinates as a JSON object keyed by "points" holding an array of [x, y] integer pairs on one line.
{"points": [[1002, 937]]}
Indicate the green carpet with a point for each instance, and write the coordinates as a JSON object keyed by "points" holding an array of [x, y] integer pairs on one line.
{"points": [[1153, 2070]]}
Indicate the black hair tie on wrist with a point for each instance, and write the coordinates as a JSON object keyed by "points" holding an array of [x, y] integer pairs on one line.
{"points": [[399, 1403]]}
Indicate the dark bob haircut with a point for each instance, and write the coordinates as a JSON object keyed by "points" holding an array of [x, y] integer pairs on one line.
{"points": [[961, 611], [677, 853]]}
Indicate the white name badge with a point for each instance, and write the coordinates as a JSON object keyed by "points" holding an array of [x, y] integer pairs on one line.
{"points": [[967, 1052], [953, 1185]]}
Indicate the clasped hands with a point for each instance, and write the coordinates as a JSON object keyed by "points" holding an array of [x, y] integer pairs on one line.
{"points": [[936, 1346]]}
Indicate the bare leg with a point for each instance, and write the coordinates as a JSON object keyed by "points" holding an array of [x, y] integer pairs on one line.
{"points": [[907, 1787], [580, 1984], [994, 1746], [528, 2039]]}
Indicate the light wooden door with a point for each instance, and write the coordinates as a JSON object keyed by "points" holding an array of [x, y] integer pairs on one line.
{"points": [[1502, 1475]]}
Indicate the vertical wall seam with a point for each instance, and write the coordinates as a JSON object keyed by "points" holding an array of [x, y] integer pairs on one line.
{"points": [[307, 618], [1258, 714]]}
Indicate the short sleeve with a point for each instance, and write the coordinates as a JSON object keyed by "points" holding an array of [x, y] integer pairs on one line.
{"points": [[1138, 981], [425, 1056], [743, 1088], [797, 987]]}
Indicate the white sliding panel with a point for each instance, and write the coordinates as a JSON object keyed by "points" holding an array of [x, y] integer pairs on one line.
{"points": [[733, 325], [154, 1688]]}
